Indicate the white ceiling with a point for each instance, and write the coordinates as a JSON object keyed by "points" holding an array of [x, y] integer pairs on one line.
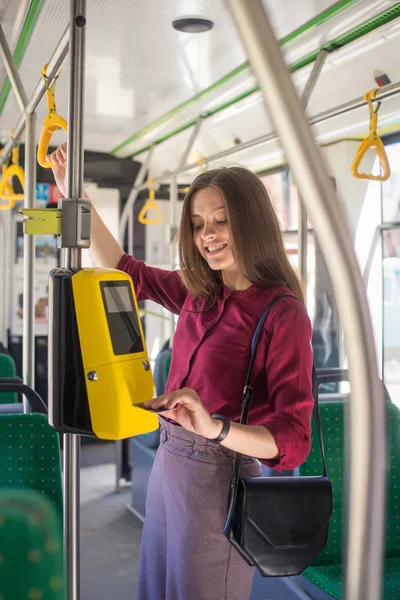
{"points": [[138, 68], [12, 17]]}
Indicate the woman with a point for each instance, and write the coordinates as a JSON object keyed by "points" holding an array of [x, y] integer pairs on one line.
{"points": [[233, 264]]}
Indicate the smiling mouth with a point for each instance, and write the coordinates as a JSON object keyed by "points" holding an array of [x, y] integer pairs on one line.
{"points": [[215, 249]]}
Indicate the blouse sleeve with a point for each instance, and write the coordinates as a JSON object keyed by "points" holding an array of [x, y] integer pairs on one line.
{"points": [[161, 286], [289, 379]]}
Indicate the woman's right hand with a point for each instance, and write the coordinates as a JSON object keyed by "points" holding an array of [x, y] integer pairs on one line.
{"points": [[59, 158], [105, 249]]}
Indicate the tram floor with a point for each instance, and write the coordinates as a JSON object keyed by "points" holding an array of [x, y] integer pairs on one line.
{"points": [[110, 533]]}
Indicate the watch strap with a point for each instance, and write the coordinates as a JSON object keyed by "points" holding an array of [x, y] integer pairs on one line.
{"points": [[225, 428]]}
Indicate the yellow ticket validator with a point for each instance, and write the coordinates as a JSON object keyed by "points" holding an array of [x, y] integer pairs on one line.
{"points": [[98, 364]]}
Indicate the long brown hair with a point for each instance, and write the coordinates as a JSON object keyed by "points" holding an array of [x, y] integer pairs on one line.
{"points": [[256, 236]]}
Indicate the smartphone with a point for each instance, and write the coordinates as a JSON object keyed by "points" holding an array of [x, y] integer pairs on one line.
{"points": [[152, 410]]}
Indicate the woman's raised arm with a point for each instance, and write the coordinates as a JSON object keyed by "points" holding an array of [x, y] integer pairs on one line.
{"points": [[104, 248]]}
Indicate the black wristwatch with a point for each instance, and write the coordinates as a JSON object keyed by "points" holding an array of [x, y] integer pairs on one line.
{"points": [[225, 428]]}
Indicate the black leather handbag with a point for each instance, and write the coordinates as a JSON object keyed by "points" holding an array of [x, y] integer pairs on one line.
{"points": [[278, 524]]}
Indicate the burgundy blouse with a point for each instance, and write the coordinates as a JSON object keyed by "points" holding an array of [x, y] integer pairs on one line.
{"points": [[211, 352]]}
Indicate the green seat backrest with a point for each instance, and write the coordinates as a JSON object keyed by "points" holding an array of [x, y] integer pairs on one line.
{"points": [[31, 563], [30, 456], [332, 420], [393, 491], [7, 369], [333, 426]]}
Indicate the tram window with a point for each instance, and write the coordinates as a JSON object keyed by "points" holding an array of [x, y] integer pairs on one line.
{"points": [[121, 318], [390, 289], [391, 276], [321, 306], [391, 188]]}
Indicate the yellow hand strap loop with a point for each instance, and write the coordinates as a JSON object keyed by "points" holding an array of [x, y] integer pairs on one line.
{"points": [[202, 162], [8, 205], [6, 188], [52, 122], [372, 141], [7, 191], [150, 204]]}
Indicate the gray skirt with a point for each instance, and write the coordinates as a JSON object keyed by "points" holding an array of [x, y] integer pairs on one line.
{"points": [[184, 554]]}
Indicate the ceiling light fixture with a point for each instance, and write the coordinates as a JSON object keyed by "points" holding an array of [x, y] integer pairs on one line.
{"points": [[192, 25]]}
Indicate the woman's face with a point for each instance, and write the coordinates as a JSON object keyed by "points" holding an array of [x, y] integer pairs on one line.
{"points": [[211, 231]]}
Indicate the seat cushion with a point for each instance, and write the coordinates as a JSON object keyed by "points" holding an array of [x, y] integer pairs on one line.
{"points": [[328, 578], [31, 549]]}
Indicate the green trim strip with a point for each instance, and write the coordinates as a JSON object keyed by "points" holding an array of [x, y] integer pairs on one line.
{"points": [[326, 15], [350, 36], [318, 20], [339, 42], [25, 36]]}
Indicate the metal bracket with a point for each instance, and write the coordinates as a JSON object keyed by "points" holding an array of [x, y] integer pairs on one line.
{"points": [[70, 221], [75, 223], [42, 221]]}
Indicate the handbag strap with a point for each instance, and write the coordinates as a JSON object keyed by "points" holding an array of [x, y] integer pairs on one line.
{"points": [[246, 403]]}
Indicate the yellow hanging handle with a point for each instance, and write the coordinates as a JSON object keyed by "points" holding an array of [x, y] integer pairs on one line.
{"points": [[6, 188], [372, 141], [8, 192], [9, 205], [52, 122], [202, 162], [150, 204]]}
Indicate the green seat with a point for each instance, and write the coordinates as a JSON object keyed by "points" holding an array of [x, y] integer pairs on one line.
{"points": [[30, 457], [329, 579], [31, 563], [326, 571], [7, 369]]}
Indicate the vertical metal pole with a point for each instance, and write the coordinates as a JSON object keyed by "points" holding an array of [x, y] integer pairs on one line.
{"points": [[74, 189], [133, 194], [74, 180], [367, 458], [128, 218], [7, 273], [303, 221], [118, 445], [173, 200], [302, 242], [28, 351], [130, 233], [12, 234], [118, 464], [173, 203], [3, 276], [287, 215]]}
